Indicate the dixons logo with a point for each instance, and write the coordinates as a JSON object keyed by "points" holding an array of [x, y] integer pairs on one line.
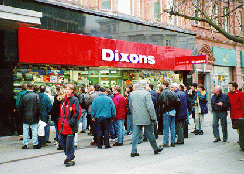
{"points": [[110, 55]]}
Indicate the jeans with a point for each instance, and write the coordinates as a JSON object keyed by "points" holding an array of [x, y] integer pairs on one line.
{"points": [[34, 128], [67, 142], [84, 119], [199, 121], [129, 126], [169, 122], [103, 129], [119, 128], [56, 128], [137, 131], [219, 115]]}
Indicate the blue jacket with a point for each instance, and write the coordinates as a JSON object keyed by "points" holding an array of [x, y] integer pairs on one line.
{"points": [[181, 113], [203, 101], [45, 106], [103, 107], [220, 98]]}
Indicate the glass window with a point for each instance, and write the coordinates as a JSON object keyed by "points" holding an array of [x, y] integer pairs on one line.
{"points": [[157, 11], [124, 6], [106, 5], [168, 43]]}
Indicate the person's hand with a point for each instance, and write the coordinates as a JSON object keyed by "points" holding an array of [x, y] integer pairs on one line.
{"points": [[219, 104]]}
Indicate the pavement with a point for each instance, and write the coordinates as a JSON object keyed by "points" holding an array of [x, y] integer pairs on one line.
{"points": [[198, 155]]}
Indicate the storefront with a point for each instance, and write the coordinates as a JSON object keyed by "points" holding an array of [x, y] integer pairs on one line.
{"points": [[87, 60], [223, 66]]}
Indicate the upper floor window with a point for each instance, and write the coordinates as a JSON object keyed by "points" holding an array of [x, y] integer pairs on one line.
{"points": [[168, 43], [171, 20], [225, 21], [240, 23], [157, 11], [106, 5], [216, 14], [124, 6]]}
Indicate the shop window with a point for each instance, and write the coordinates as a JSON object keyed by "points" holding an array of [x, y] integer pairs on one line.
{"points": [[168, 43], [106, 5]]}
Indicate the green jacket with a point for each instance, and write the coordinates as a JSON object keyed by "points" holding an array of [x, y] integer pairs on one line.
{"points": [[20, 94]]}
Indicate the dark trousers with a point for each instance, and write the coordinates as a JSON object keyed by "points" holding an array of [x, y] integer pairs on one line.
{"points": [[94, 130], [179, 129], [160, 124], [89, 122], [103, 128], [67, 142], [41, 140]]}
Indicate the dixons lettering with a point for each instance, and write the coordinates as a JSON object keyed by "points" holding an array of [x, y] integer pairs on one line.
{"points": [[110, 55]]}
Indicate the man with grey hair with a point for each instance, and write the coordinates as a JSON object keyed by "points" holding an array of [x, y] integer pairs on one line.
{"points": [[220, 104], [143, 115]]}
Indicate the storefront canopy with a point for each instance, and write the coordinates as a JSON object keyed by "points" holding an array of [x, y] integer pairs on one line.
{"points": [[38, 46]]}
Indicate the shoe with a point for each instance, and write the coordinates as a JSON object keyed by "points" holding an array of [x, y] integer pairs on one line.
{"points": [[134, 154], [60, 148], [107, 147], [82, 131], [217, 140], [117, 144], [21, 138], [24, 147], [224, 141], [93, 143], [70, 163], [164, 145], [66, 161], [172, 144], [179, 142], [48, 142], [158, 150], [36, 146], [76, 146], [193, 132], [201, 132]]}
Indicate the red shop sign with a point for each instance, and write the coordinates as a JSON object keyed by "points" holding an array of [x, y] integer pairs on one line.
{"points": [[38, 46]]}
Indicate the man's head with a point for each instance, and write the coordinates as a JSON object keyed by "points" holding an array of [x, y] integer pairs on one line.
{"points": [[135, 86], [30, 86], [90, 88], [165, 84], [102, 90], [151, 86], [97, 87], [142, 83], [24, 87], [217, 90], [181, 87], [42, 88], [194, 86], [174, 86], [35, 88], [129, 88], [233, 86], [117, 89]]}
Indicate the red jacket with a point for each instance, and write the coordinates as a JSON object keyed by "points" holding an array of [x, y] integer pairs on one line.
{"points": [[69, 113], [120, 106], [237, 104]]}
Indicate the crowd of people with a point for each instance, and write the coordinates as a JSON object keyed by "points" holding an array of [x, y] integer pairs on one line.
{"points": [[106, 114]]}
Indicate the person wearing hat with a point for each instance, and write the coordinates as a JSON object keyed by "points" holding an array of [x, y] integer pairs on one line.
{"points": [[102, 113]]}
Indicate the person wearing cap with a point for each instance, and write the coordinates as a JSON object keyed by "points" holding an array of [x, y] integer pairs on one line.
{"points": [[102, 113]]}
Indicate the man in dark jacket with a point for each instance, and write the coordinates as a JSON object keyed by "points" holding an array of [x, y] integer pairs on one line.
{"points": [[167, 110], [220, 104], [29, 110], [181, 113], [45, 108]]}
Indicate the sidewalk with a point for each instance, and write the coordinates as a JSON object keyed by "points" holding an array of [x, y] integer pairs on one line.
{"points": [[10, 146]]}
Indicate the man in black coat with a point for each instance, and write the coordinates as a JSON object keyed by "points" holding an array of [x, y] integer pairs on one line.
{"points": [[29, 110], [220, 104]]}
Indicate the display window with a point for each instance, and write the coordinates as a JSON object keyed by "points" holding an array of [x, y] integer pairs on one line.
{"points": [[222, 76]]}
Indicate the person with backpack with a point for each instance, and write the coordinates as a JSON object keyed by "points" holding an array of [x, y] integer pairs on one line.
{"points": [[82, 100], [67, 125], [168, 103]]}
